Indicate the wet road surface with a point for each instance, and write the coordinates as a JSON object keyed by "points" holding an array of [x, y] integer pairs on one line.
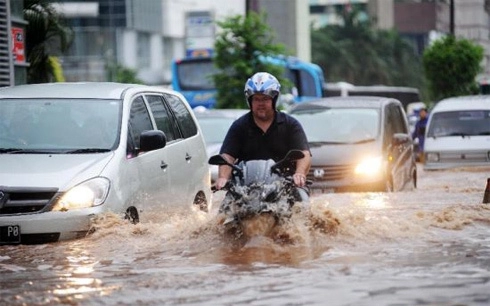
{"points": [[430, 246]]}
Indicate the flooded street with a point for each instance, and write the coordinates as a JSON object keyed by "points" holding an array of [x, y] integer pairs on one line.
{"points": [[430, 246]]}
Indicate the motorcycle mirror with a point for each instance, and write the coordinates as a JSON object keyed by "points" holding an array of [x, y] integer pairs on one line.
{"points": [[294, 155], [291, 155], [218, 160]]}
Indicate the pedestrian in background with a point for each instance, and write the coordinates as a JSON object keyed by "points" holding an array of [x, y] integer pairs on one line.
{"points": [[419, 133]]}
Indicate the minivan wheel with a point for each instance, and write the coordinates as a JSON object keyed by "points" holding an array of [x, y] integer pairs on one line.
{"points": [[132, 215], [201, 202]]}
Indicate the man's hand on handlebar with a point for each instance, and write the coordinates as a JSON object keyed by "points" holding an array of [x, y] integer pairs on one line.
{"points": [[220, 183], [299, 179]]}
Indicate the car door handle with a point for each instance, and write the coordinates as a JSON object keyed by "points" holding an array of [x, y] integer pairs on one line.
{"points": [[163, 165], [187, 157]]}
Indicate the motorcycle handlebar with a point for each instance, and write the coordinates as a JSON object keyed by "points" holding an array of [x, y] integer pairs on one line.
{"points": [[289, 179]]}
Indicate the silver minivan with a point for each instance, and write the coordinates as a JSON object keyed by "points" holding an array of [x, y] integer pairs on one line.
{"points": [[70, 152], [458, 133]]}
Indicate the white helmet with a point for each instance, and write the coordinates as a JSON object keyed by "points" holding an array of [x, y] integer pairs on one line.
{"points": [[262, 83]]}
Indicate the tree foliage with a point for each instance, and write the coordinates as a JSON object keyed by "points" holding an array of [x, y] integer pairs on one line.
{"points": [[354, 52], [451, 66], [121, 74], [238, 46], [55, 64], [46, 36]]}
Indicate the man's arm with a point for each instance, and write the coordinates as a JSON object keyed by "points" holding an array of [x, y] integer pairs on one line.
{"points": [[302, 168], [224, 172]]}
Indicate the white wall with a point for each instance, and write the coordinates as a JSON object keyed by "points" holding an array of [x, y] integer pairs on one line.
{"points": [[174, 12], [303, 40], [128, 51], [173, 23]]}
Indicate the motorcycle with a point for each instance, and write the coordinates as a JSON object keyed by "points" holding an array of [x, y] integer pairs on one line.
{"points": [[259, 196]]}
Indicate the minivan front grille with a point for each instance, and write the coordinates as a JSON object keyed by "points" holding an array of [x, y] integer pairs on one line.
{"points": [[466, 157], [25, 200], [331, 173]]}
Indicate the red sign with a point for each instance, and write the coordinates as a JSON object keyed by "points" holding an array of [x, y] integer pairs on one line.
{"points": [[18, 45]]}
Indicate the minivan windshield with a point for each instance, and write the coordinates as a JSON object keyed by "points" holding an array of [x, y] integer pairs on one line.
{"points": [[339, 125], [59, 125], [459, 123]]}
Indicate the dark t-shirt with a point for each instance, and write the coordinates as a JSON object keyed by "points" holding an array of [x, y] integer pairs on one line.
{"points": [[246, 141]]}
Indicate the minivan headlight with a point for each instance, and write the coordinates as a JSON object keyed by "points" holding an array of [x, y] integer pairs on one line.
{"points": [[432, 157], [88, 194], [370, 166]]}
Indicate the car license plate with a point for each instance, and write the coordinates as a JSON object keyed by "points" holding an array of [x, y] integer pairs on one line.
{"points": [[9, 234]]}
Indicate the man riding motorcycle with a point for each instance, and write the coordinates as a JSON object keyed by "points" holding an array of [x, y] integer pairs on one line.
{"points": [[265, 133]]}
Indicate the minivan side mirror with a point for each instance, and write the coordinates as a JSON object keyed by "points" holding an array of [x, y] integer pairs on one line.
{"points": [[400, 138], [152, 140]]}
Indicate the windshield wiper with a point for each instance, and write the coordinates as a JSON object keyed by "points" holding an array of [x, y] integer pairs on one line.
{"points": [[322, 143], [10, 150], [364, 140], [459, 134], [451, 134], [87, 150], [27, 151]]}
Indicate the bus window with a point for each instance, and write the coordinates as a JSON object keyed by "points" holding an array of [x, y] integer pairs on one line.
{"points": [[195, 75], [307, 85]]}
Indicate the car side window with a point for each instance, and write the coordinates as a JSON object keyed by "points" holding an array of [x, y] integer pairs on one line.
{"points": [[186, 123], [389, 128], [399, 125], [163, 118], [139, 121]]}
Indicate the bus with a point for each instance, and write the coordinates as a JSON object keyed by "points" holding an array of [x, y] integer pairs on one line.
{"points": [[192, 76]]}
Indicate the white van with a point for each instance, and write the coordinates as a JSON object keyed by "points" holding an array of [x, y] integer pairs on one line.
{"points": [[458, 133], [70, 152]]}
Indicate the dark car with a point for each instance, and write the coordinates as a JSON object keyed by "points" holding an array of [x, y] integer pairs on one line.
{"points": [[358, 143], [214, 125]]}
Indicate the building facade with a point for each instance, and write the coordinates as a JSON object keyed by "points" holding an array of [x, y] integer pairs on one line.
{"points": [[421, 21], [147, 35], [424, 21], [144, 36], [13, 62]]}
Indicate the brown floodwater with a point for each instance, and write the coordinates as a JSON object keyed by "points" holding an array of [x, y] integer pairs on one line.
{"points": [[429, 246]]}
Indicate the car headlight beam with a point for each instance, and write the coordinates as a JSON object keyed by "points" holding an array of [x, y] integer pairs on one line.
{"points": [[369, 166], [432, 157], [88, 194]]}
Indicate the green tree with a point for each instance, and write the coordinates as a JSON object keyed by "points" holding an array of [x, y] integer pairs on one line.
{"points": [[122, 74], [55, 63], [46, 37], [451, 66], [238, 48], [354, 52]]}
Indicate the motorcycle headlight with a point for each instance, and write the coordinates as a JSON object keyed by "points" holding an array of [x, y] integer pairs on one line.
{"points": [[369, 166], [88, 194]]}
